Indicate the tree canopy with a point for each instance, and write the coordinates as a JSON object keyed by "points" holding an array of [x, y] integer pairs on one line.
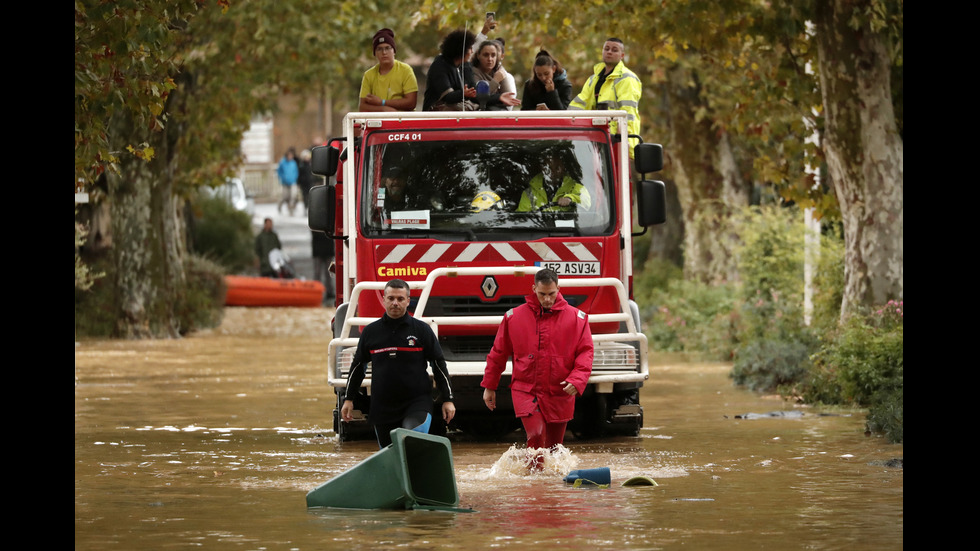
{"points": [[734, 89]]}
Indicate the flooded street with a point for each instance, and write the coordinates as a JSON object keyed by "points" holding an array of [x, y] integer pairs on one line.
{"points": [[214, 440]]}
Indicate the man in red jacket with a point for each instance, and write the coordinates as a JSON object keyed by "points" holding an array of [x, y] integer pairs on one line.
{"points": [[551, 345]]}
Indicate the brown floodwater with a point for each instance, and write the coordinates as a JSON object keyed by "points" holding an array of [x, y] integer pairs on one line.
{"points": [[213, 441]]}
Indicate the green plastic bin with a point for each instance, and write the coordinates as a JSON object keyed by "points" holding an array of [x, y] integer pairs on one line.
{"points": [[415, 471]]}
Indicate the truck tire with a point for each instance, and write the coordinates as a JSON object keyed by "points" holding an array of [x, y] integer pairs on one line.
{"points": [[349, 432], [589, 420], [339, 427], [486, 429]]}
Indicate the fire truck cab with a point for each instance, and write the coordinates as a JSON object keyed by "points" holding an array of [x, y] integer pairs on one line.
{"points": [[459, 206]]}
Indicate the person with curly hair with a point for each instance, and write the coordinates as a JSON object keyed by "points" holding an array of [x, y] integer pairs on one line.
{"points": [[450, 85]]}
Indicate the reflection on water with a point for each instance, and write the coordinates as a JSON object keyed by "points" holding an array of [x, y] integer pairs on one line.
{"points": [[213, 441]]}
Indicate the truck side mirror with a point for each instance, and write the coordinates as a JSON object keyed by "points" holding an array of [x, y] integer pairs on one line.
{"points": [[648, 157], [651, 203], [324, 160], [322, 208]]}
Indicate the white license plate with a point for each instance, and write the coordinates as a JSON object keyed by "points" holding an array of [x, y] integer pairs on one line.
{"points": [[572, 268]]}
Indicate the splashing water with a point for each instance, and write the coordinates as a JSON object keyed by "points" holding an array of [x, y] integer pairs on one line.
{"points": [[519, 462]]}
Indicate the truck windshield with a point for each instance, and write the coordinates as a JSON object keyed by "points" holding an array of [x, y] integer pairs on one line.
{"points": [[474, 189]]}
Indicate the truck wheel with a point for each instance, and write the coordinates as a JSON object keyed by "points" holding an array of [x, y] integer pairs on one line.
{"points": [[628, 398], [491, 430], [340, 427], [638, 425], [588, 421]]}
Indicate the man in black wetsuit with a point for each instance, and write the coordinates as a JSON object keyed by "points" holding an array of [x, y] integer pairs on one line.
{"points": [[399, 347]]}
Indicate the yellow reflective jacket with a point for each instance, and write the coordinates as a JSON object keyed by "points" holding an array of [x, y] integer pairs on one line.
{"points": [[536, 198], [621, 91]]}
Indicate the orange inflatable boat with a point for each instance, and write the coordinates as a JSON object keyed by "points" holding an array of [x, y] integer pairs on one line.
{"points": [[268, 291]]}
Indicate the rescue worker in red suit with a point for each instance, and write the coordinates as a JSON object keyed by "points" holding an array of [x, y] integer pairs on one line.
{"points": [[551, 345]]}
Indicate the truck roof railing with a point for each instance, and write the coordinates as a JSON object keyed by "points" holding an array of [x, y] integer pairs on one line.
{"points": [[435, 115]]}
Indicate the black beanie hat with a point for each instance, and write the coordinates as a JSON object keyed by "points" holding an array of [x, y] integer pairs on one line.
{"points": [[384, 36]]}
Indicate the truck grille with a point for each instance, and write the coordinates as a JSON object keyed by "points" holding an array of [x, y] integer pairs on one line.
{"points": [[344, 360], [470, 306], [472, 348]]}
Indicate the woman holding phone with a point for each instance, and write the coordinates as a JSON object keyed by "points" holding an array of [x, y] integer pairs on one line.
{"points": [[549, 88]]}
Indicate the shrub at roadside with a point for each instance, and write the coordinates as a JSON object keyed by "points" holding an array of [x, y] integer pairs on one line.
{"points": [[775, 341], [95, 304], [223, 234], [768, 365], [85, 277], [770, 269], [886, 413], [694, 318], [762, 320], [201, 307], [828, 281], [863, 364]]}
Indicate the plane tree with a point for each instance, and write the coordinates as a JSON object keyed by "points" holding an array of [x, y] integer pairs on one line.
{"points": [[163, 93], [754, 96]]}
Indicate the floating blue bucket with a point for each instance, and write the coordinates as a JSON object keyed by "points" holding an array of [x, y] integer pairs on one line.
{"points": [[590, 476]]}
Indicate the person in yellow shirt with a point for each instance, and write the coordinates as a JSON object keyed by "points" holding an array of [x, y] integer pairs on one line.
{"points": [[614, 87], [391, 84]]}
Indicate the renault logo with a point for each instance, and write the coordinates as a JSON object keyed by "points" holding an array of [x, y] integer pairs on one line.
{"points": [[489, 286]]}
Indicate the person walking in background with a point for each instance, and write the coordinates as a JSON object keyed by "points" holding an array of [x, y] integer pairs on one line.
{"points": [[305, 179], [318, 140], [550, 344], [548, 89], [398, 347], [613, 86], [288, 172], [265, 242], [391, 84], [323, 255]]}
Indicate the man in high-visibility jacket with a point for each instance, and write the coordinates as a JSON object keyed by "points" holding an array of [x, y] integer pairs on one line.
{"points": [[613, 86], [568, 194]]}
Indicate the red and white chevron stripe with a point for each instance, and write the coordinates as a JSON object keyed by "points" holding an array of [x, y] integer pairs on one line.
{"points": [[507, 253]]}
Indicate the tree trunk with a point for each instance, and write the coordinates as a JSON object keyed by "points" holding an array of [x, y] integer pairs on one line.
{"points": [[667, 239], [147, 245], [864, 153], [709, 185]]}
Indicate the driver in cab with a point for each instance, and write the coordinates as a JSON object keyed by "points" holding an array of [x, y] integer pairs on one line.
{"points": [[392, 188], [565, 193]]}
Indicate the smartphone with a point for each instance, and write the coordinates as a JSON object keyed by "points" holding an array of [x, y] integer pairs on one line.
{"points": [[491, 15]]}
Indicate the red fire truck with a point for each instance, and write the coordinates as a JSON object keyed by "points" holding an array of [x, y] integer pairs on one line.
{"points": [[442, 201]]}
